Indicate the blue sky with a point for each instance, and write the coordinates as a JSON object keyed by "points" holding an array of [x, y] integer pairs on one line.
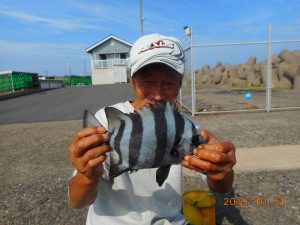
{"points": [[39, 35]]}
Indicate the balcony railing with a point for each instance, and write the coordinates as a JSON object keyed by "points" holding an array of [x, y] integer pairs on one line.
{"points": [[109, 63]]}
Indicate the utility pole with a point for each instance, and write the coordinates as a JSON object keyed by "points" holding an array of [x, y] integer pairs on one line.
{"points": [[68, 66], [141, 18], [84, 68]]}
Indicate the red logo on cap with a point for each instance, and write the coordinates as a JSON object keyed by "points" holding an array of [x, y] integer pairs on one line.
{"points": [[157, 44]]}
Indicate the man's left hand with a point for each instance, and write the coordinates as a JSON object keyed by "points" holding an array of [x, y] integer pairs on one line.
{"points": [[215, 159]]}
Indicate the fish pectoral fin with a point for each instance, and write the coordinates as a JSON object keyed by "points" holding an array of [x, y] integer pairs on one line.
{"points": [[162, 174], [116, 166]]}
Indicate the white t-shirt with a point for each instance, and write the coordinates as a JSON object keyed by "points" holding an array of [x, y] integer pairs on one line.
{"points": [[136, 198]]}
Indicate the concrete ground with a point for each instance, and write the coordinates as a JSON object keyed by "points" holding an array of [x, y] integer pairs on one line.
{"points": [[272, 158], [268, 158]]}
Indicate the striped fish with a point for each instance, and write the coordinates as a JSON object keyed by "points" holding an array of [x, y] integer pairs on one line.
{"points": [[154, 137]]}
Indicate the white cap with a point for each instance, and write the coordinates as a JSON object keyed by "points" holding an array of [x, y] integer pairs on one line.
{"points": [[156, 48]]}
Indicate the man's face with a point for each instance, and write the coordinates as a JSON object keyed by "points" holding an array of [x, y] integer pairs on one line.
{"points": [[156, 83]]}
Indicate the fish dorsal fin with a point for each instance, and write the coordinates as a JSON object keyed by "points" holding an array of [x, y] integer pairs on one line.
{"points": [[113, 115], [90, 120]]}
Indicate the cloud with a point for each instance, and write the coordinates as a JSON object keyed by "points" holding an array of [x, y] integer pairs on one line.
{"points": [[40, 49], [42, 56], [127, 14], [118, 12], [62, 24]]}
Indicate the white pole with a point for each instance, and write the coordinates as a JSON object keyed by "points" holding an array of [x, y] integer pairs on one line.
{"points": [[68, 65], [192, 73], [269, 71], [84, 68], [141, 18]]}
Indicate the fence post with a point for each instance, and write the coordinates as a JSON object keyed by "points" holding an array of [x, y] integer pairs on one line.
{"points": [[269, 72]]}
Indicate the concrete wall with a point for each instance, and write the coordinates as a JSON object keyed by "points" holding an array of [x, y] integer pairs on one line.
{"points": [[114, 75], [102, 76], [50, 84]]}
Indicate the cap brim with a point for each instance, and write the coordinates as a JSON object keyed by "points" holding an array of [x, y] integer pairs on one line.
{"points": [[175, 65]]}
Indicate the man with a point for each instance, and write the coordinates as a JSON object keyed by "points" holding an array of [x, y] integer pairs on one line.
{"points": [[157, 66]]}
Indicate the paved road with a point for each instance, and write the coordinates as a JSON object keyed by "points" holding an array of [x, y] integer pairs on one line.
{"points": [[62, 104]]}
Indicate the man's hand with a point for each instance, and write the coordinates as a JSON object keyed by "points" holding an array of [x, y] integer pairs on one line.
{"points": [[215, 159], [86, 153]]}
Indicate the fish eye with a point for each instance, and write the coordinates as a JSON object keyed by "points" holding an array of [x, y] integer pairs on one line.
{"points": [[195, 139], [174, 152]]}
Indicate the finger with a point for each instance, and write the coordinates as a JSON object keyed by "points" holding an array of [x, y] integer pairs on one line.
{"points": [[188, 165], [202, 165], [95, 168], [209, 137], [94, 153], [217, 146], [84, 144], [89, 131], [198, 169], [95, 162], [215, 157]]}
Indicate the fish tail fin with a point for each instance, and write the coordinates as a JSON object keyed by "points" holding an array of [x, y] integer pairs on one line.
{"points": [[162, 173], [90, 120]]}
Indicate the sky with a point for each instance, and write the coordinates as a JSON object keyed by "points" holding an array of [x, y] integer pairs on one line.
{"points": [[45, 36]]}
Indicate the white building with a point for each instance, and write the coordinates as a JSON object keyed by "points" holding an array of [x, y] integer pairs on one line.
{"points": [[109, 59]]}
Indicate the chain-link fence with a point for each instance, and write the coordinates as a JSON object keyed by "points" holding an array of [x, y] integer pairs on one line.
{"points": [[243, 76]]}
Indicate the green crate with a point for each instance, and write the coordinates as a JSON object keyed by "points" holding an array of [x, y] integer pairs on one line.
{"points": [[5, 82], [77, 80], [15, 80]]}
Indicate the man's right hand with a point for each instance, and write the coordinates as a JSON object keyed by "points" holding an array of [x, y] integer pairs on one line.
{"points": [[87, 152]]}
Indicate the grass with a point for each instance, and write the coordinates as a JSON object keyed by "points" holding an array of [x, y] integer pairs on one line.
{"points": [[248, 107], [262, 88]]}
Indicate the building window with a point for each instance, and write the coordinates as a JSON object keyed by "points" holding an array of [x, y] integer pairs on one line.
{"points": [[123, 55], [102, 56]]}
